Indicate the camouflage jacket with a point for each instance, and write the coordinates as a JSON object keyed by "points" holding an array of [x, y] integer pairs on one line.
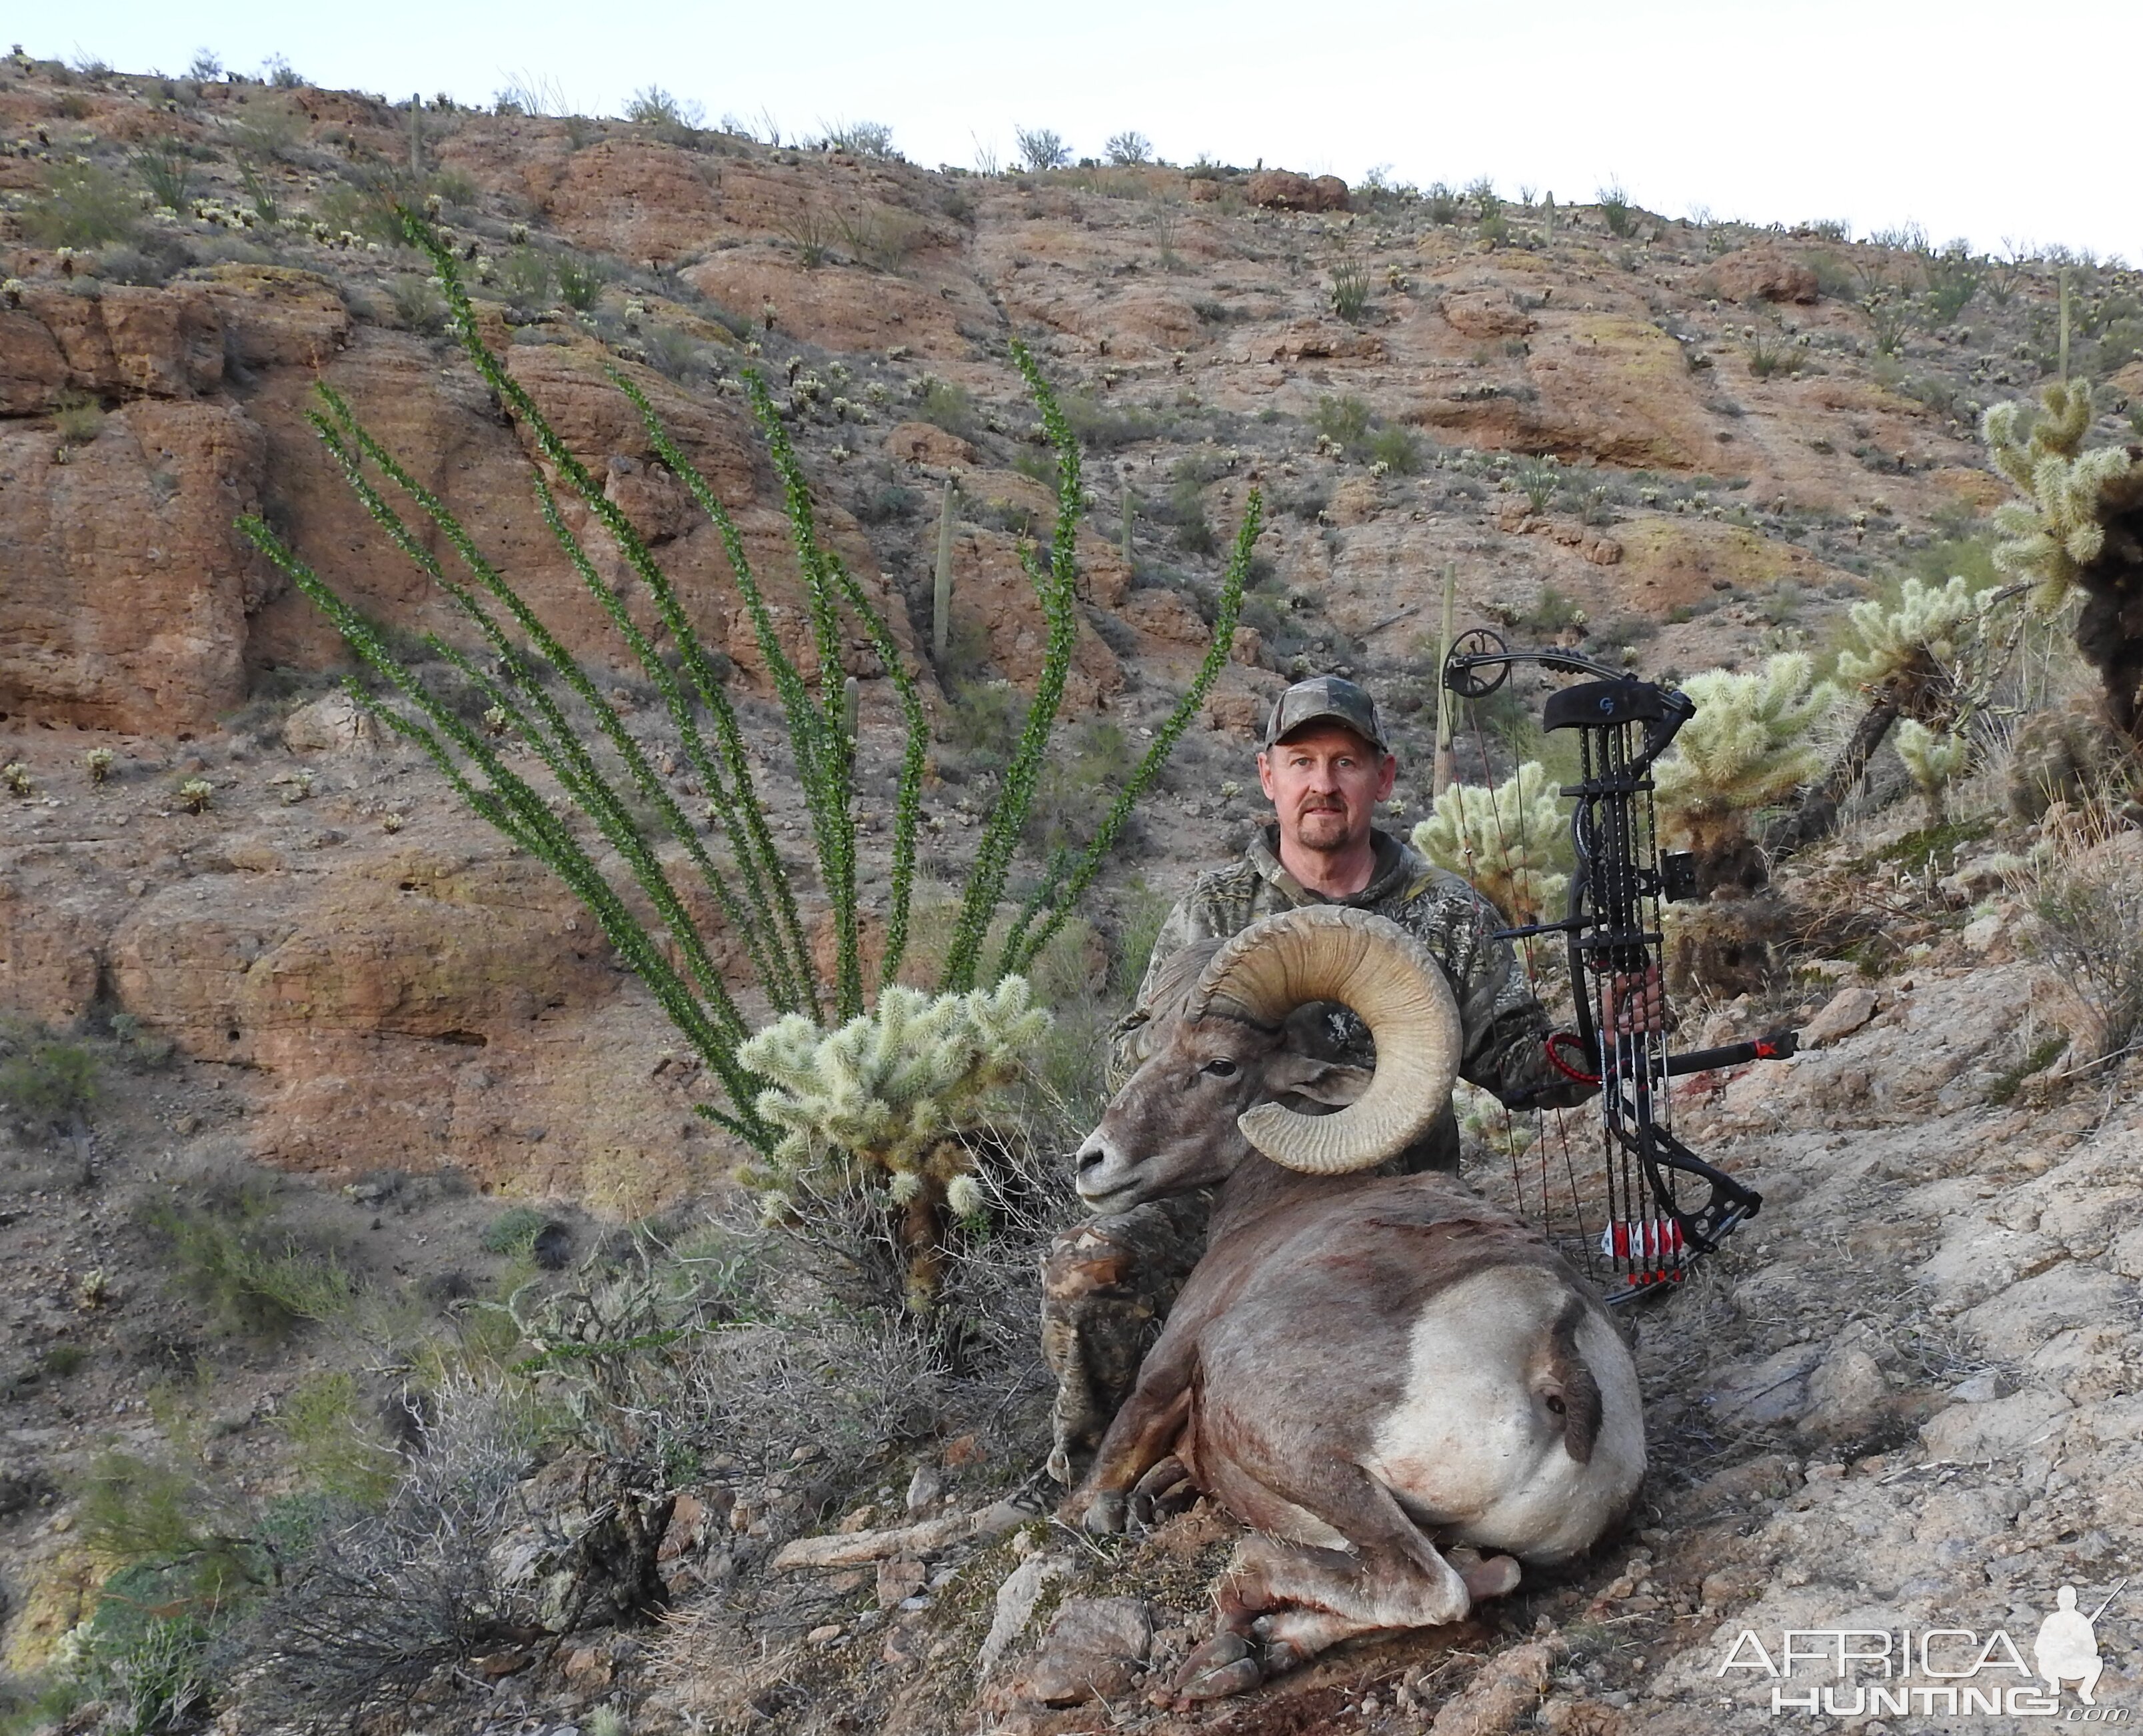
{"points": [[1505, 1026]]}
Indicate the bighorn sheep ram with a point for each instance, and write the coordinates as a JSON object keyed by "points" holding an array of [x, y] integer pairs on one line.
{"points": [[1367, 1369]]}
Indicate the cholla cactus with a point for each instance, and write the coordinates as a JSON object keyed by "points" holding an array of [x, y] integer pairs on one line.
{"points": [[99, 762], [196, 794], [1917, 639], [15, 778], [1935, 759], [884, 1098], [1747, 748], [2079, 527], [1510, 842], [2059, 529], [1484, 1119]]}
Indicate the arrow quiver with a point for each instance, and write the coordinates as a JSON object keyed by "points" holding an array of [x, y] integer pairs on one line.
{"points": [[1659, 1204]]}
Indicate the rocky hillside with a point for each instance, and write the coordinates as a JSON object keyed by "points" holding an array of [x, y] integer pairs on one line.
{"points": [[1900, 1400]]}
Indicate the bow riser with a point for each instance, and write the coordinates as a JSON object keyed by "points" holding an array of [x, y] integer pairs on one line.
{"points": [[1665, 1206]]}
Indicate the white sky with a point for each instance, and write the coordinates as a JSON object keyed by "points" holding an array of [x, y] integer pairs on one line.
{"points": [[1876, 111]]}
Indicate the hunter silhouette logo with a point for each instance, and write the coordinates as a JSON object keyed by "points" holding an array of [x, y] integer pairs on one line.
{"points": [[2066, 1650], [1851, 1673]]}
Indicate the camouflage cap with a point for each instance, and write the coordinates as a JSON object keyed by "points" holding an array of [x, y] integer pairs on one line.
{"points": [[1322, 699]]}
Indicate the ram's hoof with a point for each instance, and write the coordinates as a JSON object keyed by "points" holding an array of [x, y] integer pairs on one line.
{"points": [[1104, 1515], [1224, 1664], [1485, 1575]]}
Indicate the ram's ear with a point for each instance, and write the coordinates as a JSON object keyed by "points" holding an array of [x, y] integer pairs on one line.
{"points": [[1289, 1074]]}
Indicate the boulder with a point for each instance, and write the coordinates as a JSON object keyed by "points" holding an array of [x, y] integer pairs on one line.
{"points": [[335, 723], [1283, 191], [1095, 1648], [1844, 1013], [920, 442], [1761, 273], [1847, 1395], [1484, 314]]}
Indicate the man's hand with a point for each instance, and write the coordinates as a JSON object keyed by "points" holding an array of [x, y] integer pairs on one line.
{"points": [[1633, 1003]]}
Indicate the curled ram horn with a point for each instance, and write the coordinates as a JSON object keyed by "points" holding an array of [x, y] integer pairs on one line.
{"points": [[1392, 984]]}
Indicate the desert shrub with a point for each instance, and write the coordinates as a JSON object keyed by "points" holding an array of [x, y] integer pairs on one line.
{"points": [[1095, 759], [417, 304], [860, 138], [271, 131], [1553, 612], [1186, 511], [1128, 148], [1537, 482], [1345, 421], [1105, 427], [1040, 148], [384, 1600], [1398, 449], [2087, 895], [1441, 202], [229, 1253], [1616, 211], [950, 408], [512, 1230], [666, 116], [80, 206], [46, 1082], [527, 276]]}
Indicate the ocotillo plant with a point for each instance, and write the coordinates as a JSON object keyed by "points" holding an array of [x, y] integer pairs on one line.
{"points": [[540, 697]]}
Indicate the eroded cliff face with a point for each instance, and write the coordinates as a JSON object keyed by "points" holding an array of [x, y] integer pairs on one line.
{"points": [[381, 975]]}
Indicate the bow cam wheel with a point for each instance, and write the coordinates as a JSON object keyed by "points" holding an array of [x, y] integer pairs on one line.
{"points": [[1475, 684]]}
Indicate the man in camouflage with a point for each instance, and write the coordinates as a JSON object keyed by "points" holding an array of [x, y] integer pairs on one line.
{"points": [[1107, 1284]]}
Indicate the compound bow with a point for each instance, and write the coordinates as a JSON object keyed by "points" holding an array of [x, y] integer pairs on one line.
{"points": [[1665, 1206]]}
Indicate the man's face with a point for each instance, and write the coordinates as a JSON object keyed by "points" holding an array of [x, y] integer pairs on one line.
{"points": [[1324, 782]]}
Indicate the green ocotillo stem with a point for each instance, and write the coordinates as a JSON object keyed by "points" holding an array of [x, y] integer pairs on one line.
{"points": [[940, 599]]}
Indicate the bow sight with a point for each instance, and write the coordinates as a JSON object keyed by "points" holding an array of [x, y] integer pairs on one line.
{"points": [[1664, 1205]]}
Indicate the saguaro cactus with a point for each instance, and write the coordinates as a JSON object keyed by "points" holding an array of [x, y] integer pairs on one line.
{"points": [[941, 594]]}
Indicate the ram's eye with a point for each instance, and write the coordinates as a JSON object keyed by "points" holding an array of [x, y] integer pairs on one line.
{"points": [[1220, 1068]]}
